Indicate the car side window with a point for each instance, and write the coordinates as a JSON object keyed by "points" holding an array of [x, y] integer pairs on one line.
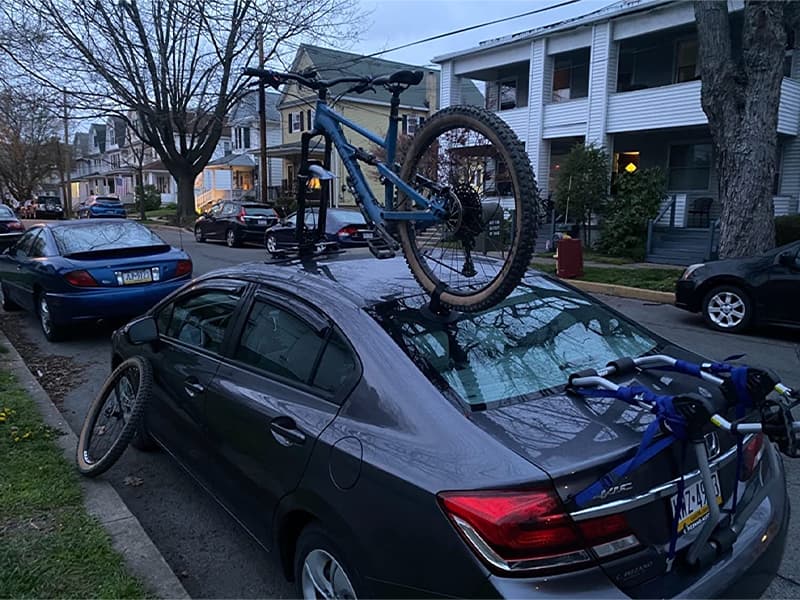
{"points": [[277, 342], [39, 247], [215, 210], [22, 248], [336, 366], [200, 319], [228, 210]]}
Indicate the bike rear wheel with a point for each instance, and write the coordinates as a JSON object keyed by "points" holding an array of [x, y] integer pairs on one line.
{"points": [[113, 417], [471, 159]]}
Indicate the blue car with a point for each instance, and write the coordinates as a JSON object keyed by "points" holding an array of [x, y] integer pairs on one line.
{"points": [[102, 207], [72, 272]]}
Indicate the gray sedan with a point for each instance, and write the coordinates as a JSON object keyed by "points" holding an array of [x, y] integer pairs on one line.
{"points": [[381, 448]]}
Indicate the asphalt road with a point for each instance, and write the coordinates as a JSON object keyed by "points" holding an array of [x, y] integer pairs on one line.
{"points": [[204, 545]]}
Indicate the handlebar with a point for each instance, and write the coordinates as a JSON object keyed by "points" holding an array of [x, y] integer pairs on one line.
{"points": [[277, 78]]}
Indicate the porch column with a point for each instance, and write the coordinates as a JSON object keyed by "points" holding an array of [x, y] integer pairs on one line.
{"points": [[450, 86], [602, 80], [541, 79]]}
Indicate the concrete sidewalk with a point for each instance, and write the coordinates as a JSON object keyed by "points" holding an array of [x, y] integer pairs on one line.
{"points": [[551, 262]]}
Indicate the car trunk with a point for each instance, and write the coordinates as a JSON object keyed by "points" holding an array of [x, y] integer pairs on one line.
{"points": [[10, 226], [128, 266], [577, 441], [257, 220]]}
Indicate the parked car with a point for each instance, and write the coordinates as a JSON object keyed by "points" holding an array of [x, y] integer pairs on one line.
{"points": [[11, 228], [737, 293], [378, 450], [72, 272], [101, 207], [343, 227], [48, 207], [235, 222]]}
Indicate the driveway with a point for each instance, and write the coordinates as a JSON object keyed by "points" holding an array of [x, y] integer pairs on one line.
{"points": [[205, 547]]}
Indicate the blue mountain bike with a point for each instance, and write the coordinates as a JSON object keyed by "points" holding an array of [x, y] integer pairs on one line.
{"points": [[460, 190]]}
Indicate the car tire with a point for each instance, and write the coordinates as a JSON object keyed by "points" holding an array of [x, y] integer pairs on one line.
{"points": [[271, 244], [8, 304], [199, 236], [316, 553], [53, 332], [230, 239], [727, 308]]}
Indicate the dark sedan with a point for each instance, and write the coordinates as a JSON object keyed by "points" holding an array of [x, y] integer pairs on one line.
{"points": [[49, 207], [343, 227], [736, 293], [379, 450], [101, 207], [73, 272], [235, 222], [11, 228]]}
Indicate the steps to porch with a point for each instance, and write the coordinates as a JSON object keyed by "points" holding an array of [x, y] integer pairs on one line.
{"points": [[679, 245]]}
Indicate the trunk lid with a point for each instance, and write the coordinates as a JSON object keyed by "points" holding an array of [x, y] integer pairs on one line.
{"points": [[127, 267]]}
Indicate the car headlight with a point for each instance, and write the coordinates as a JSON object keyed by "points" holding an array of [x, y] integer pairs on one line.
{"points": [[690, 270]]}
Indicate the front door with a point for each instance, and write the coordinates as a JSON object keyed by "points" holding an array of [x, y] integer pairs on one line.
{"points": [[267, 410], [192, 331]]}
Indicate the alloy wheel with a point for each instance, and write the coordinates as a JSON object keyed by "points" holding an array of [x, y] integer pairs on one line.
{"points": [[230, 238], [44, 316], [272, 244], [324, 577], [198, 235], [726, 309]]}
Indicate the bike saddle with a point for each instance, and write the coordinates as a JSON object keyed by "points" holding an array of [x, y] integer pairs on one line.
{"points": [[406, 77]]}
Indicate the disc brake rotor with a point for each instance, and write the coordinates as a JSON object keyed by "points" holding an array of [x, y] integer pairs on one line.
{"points": [[470, 212]]}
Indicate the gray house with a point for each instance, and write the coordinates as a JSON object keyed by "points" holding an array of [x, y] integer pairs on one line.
{"points": [[624, 77]]}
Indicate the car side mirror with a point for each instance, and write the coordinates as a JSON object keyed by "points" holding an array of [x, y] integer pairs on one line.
{"points": [[142, 331]]}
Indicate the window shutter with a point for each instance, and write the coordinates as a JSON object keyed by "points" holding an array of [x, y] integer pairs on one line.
{"points": [[405, 124], [421, 121], [290, 123], [246, 134], [301, 121], [310, 120]]}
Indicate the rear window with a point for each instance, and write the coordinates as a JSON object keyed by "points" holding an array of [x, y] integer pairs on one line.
{"points": [[348, 216], [259, 211], [5, 212], [91, 237], [531, 342], [107, 200]]}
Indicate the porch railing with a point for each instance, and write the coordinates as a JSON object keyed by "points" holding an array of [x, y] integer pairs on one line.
{"points": [[670, 206]]}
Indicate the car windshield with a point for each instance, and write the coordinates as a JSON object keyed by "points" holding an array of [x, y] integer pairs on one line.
{"points": [[49, 200], [527, 344], [6, 213], [91, 237], [259, 211]]}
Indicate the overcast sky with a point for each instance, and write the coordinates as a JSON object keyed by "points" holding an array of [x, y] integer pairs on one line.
{"points": [[395, 22]]}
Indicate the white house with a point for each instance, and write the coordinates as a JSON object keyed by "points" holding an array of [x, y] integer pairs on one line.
{"points": [[624, 77]]}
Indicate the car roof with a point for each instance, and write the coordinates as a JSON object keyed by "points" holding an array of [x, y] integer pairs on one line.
{"points": [[82, 223]]}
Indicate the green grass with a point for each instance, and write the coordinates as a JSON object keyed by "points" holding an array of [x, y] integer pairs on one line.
{"points": [[594, 257], [49, 546], [660, 280], [167, 211]]}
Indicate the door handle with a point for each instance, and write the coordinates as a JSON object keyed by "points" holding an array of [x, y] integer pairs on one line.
{"points": [[192, 387], [286, 432]]}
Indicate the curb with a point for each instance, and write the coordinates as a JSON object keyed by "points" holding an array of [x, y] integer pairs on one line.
{"points": [[101, 500], [622, 291]]}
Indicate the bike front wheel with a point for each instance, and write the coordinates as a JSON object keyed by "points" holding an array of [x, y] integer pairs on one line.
{"points": [[469, 162], [113, 417]]}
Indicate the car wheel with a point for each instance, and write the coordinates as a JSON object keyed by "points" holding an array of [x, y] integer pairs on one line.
{"points": [[52, 332], [198, 235], [272, 246], [727, 308], [230, 239], [321, 569], [8, 303]]}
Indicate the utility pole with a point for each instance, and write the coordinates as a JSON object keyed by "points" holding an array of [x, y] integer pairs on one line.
{"points": [[67, 165], [263, 178]]}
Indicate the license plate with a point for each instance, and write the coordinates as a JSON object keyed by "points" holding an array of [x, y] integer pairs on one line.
{"points": [[138, 276], [695, 507], [367, 235], [262, 221]]}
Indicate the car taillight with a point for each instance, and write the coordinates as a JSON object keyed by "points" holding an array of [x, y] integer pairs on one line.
{"points": [[240, 218], [347, 231], [518, 531], [15, 225], [80, 279], [183, 267], [751, 455]]}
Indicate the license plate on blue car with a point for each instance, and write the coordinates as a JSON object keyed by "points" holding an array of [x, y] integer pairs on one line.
{"points": [[137, 276]]}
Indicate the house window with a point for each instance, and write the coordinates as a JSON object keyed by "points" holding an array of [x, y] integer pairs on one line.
{"points": [[295, 121], [411, 123], [246, 137], [507, 94], [162, 184], [226, 148], [787, 60], [689, 166], [571, 75], [686, 68]]}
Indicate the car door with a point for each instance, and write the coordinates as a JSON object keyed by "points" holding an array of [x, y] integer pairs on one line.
{"points": [[18, 269], [782, 291], [192, 332], [213, 226], [270, 402]]}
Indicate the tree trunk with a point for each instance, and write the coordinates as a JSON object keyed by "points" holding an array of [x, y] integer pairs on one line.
{"points": [[186, 208], [139, 191], [740, 96]]}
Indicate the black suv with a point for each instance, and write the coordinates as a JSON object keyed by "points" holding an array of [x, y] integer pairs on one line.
{"points": [[49, 207], [235, 222]]}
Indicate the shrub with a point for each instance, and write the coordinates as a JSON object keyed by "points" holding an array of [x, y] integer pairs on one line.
{"points": [[638, 198], [150, 196], [582, 185], [787, 229]]}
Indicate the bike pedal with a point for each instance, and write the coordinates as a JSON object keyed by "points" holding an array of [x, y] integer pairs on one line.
{"points": [[380, 249]]}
